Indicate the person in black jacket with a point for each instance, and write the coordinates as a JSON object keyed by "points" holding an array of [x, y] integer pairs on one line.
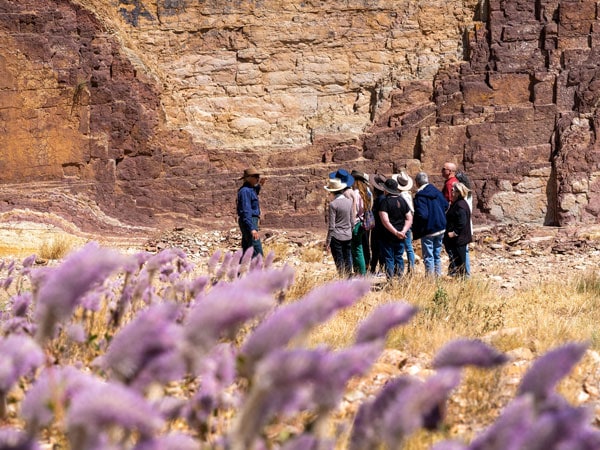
{"points": [[430, 223], [458, 229]]}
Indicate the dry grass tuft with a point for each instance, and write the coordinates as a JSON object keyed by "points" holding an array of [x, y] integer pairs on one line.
{"points": [[57, 247], [313, 254], [281, 250]]}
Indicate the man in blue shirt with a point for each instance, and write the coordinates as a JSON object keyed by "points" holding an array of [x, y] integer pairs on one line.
{"points": [[248, 210]]}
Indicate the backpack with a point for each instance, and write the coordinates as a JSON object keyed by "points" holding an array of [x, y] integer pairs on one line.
{"points": [[368, 222]]}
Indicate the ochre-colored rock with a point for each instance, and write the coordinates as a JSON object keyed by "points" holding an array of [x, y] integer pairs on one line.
{"points": [[149, 111]]}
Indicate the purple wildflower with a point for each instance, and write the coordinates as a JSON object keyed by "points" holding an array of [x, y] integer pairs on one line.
{"points": [[29, 261], [337, 368], [291, 320], [220, 273], [14, 439], [18, 325], [173, 441], [383, 319], [545, 373], [197, 286], [11, 266], [269, 259], [554, 427], [213, 261], [510, 430], [216, 375], [420, 405], [135, 263], [127, 293], [92, 301], [7, 282], [257, 263], [146, 349], [20, 304], [451, 445], [283, 383], [228, 305], [162, 259], [234, 266], [308, 442], [105, 405], [464, 352], [246, 261], [51, 393], [367, 430], [76, 332], [62, 288], [289, 380], [20, 355]]}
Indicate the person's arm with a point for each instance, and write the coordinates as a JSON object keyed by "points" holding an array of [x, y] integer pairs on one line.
{"points": [[401, 234], [461, 222], [330, 226], [421, 209], [385, 221]]}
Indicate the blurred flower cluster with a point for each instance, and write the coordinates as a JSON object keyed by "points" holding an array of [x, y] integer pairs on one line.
{"points": [[116, 351]]}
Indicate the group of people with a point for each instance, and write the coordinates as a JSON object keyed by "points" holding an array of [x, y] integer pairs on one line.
{"points": [[440, 219], [373, 219]]}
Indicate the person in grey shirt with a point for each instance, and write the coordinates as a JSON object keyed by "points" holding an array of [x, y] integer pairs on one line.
{"points": [[339, 232]]}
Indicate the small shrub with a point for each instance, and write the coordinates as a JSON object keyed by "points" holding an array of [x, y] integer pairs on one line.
{"points": [[312, 255], [57, 247], [589, 283]]}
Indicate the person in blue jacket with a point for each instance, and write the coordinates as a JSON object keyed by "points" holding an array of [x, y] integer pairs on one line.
{"points": [[429, 223], [248, 210]]}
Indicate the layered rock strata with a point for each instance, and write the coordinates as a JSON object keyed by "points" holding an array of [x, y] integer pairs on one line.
{"points": [[135, 112]]}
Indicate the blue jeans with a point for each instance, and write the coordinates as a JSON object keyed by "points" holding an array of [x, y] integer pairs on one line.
{"points": [[392, 255], [342, 256], [467, 263], [247, 240], [431, 247], [410, 252]]}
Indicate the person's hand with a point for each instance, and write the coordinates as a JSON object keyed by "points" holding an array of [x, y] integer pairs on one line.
{"points": [[255, 235], [451, 234]]}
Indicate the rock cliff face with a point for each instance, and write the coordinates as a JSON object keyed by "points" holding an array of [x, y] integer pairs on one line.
{"points": [[136, 112]]}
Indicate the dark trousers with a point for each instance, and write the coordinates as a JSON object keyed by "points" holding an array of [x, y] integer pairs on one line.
{"points": [[342, 256], [366, 244], [247, 240], [457, 255], [376, 254]]}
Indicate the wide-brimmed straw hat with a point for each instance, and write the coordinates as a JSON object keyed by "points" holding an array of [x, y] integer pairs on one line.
{"points": [[360, 176], [377, 180], [391, 186], [344, 176], [250, 171], [335, 185], [405, 183]]}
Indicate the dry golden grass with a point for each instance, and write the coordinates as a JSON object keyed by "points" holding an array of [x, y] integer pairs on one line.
{"points": [[57, 247], [280, 249], [530, 321], [537, 318], [313, 254]]}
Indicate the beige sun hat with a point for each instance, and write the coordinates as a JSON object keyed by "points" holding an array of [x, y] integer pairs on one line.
{"points": [[405, 182], [335, 185]]}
